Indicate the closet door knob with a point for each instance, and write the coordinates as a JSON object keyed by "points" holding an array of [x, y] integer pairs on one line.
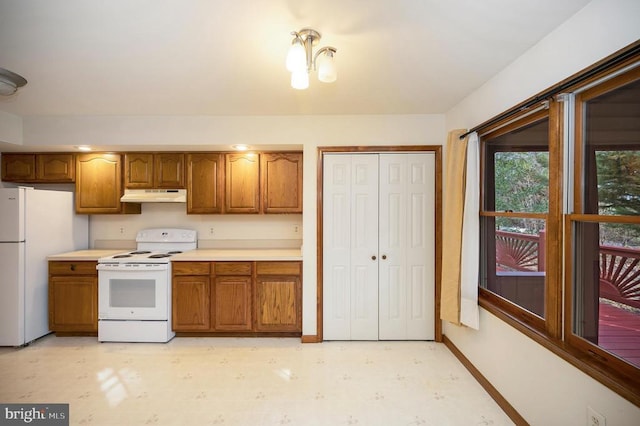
{"points": [[384, 256], [373, 257]]}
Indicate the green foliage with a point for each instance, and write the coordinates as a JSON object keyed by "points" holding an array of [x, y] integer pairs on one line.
{"points": [[619, 194], [522, 185], [522, 181], [618, 182]]}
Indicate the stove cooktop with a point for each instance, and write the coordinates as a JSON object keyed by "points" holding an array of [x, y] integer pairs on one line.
{"points": [[140, 256], [156, 245]]}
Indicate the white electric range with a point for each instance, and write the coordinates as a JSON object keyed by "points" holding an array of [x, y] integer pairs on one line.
{"points": [[134, 288]]}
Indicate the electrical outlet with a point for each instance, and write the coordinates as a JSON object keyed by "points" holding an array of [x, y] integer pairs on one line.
{"points": [[296, 229], [594, 418], [122, 229], [210, 231]]}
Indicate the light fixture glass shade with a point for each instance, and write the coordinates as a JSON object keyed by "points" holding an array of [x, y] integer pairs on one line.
{"points": [[297, 56], [326, 67], [10, 82], [300, 80], [7, 88]]}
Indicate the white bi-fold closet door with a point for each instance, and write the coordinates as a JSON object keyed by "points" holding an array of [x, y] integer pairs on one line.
{"points": [[378, 246]]}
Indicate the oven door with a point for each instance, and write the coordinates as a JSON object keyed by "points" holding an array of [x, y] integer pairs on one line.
{"points": [[133, 292]]}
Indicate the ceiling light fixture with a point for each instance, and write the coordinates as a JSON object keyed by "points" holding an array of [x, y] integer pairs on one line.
{"points": [[10, 82], [301, 60]]}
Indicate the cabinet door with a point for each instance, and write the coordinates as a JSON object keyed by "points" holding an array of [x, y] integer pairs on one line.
{"points": [[278, 303], [138, 170], [73, 304], [205, 174], [98, 183], [56, 167], [169, 170], [281, 182], [18, 167], [191, 297], [242, 183], [232, 309]]}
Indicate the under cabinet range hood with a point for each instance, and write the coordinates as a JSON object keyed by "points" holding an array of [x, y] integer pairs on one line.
{"points": [[154, 196]]}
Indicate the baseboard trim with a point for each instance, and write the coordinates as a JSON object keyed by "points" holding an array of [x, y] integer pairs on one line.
{"points": [[491, 390], [310, 338]]}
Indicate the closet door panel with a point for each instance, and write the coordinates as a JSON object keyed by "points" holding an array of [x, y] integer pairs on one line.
{"points": [[420, 253], [406, 247], [364, 247], [337, 248], [393, 240]]}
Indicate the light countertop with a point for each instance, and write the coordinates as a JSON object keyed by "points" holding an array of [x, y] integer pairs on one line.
{"points": [[204, 255], [199, 255], [88, 255]]}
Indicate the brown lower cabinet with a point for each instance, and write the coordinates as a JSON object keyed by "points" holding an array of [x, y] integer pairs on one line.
{"points": [[237, 297], [277, 296], [73, 297]]}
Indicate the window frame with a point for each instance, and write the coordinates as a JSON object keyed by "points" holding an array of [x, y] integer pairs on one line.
{"points": [[554, 332], [593, 353], [547, 325]]}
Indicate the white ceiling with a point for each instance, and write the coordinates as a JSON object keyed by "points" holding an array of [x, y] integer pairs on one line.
{"points": [[226, 57]]}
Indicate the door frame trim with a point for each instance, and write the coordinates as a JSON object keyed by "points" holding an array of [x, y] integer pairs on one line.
{"points": [[322, 150]]}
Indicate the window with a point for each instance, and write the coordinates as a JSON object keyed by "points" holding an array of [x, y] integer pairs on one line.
{"points": [[560, 221], [515, 211], [604, 283]]}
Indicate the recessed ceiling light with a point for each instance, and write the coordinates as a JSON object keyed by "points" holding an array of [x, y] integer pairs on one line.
{"points": [[240, 147], [83, 148]]}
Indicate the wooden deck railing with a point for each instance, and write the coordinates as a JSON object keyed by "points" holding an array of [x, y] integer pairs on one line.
{"points": [[620, 275], [519, 252], [619, 267]]}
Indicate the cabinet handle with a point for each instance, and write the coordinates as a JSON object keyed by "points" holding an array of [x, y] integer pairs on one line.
{"points": [[73, 267], [373, 257], [384, 256]]}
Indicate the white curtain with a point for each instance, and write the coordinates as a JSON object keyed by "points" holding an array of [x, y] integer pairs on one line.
{"points": [[470, 258]]}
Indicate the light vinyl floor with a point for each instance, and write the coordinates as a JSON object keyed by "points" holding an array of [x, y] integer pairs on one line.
{"points": [[247, 381]]}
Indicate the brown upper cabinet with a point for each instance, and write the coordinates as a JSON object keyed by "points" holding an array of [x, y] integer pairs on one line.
{"points": [[216, 183], [34, 168], [99, 185], [205, 183], [154, 170], [242, 190], [281, 182]]}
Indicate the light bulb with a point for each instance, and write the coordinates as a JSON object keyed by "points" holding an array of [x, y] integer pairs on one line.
{"points": [[300, 80], [297, 56]]}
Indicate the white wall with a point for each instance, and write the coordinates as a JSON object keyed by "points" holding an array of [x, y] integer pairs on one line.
{"points": [[10, 128], [542, 387], [214, 231]]}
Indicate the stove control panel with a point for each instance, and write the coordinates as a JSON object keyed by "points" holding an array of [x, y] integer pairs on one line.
{"points": [[166, 235], [117, 266]]}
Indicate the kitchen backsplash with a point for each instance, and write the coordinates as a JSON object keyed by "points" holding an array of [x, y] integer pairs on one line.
{"points": [[214, 231]]}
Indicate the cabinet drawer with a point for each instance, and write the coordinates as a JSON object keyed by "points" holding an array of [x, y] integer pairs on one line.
{"points": [[190, 268], [233, 268], [278, 268], [73, 268]]}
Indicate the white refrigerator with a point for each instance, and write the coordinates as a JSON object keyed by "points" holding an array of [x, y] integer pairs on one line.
{"points": [[33, 225]]}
